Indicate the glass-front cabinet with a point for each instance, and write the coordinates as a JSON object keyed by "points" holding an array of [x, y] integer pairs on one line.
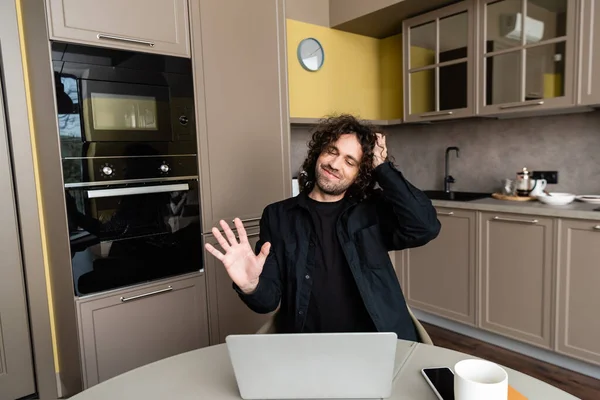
{"points": [[526, 56], [439, 63]]}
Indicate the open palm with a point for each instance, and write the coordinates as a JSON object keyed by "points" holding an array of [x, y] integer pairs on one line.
{"points": [[242, 265]]}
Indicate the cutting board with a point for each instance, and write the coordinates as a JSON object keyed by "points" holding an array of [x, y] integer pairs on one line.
{"points": [[500, 196]]}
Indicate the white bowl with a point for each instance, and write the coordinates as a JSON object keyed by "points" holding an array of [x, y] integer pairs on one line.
{"points": [[556, 198]]}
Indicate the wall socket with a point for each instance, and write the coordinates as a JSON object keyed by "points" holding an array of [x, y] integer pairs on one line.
{"points": [[549, 176]]}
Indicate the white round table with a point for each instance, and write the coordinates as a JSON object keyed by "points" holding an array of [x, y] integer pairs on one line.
{"points": [[207, 374]]}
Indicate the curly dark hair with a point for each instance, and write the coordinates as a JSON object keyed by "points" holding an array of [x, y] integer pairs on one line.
{"points": [[328, 131]]}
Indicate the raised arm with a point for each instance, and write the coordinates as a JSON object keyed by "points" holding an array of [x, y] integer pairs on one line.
{"points": [[255, 273], [267, 294], [406, 215]]}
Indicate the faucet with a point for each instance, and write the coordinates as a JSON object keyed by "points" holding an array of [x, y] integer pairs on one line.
{"points": [[448, 179]]}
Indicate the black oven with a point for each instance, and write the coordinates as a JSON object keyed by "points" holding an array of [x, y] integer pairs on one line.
{"points": [[130, 166], [123, 235]]}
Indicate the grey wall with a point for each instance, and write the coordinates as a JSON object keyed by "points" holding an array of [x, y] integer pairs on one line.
{"points": [[491, 150]]}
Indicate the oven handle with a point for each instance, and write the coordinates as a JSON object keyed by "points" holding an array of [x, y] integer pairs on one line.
{"points": [[128, 191]]}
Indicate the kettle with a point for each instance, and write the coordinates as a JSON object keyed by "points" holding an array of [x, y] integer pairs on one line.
{"points": [[526, 186]]}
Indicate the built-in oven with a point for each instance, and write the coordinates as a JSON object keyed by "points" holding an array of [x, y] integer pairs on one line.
{"points": [[130, 167], [125, 234]]}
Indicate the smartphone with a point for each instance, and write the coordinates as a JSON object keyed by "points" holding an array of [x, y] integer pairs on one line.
{"points": [[441, 380]]}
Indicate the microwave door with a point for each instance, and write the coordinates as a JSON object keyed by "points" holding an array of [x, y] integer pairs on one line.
{"points": [[125, 112]]}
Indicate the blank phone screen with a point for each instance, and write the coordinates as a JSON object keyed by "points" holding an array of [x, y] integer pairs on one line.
{"points": [[443, 381]]}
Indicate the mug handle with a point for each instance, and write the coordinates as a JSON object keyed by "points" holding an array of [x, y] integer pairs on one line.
{"points": [[533, 188]]}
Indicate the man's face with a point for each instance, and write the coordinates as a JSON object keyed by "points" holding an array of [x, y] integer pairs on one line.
{"points": [[337, 166]]}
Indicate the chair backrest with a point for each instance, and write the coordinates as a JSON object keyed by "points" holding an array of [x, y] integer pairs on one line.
{"points": [[269, 327], [423, 335]]}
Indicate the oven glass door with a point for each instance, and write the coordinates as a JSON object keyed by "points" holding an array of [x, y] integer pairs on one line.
{"points": [[121, 236], [125, 112]]}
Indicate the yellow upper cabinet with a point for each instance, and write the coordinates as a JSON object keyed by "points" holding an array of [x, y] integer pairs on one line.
{"points": [[360, 75], [439, 63], [348, 81]]}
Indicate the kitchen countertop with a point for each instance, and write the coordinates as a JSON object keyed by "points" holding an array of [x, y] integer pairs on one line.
{"points": [[576, 209]]}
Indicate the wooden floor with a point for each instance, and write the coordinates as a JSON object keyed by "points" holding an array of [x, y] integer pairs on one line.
{"points": [[582, 386]]}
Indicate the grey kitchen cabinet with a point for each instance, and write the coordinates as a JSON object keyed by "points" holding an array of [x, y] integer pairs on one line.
{"points": [[153, 26], [16, 360], [527, 61], [439, 63], [589, 53], [125, 329], [578, 295], [228, 314], [516, 276], [242, 103], [440, 276]]}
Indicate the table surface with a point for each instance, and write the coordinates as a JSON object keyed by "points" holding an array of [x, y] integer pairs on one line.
{"points": [[207, 374]]}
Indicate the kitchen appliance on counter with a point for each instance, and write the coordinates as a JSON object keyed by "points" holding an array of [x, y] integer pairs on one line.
{"points": [[130, 168], [525, 185]]}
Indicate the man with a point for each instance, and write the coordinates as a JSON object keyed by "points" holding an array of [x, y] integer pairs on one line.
{"points": [[324, 254]]}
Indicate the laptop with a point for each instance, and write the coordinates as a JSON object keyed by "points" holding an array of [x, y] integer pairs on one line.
{"points": [[313, 366]]}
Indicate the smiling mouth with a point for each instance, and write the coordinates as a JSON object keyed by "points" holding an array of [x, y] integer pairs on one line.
{"points": [[330, 173]]}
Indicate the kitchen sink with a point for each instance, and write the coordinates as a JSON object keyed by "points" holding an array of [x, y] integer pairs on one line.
{"points": [[456, 196]]}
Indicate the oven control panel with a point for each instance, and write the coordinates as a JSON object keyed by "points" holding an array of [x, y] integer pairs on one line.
{"points": [[123, 169]]}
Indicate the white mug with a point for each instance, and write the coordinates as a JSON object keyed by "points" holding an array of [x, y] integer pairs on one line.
{"points": [[479, 379], [538, 187]]}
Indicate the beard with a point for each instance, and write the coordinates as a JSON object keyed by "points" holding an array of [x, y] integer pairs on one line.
{"points": [[329, 185]]}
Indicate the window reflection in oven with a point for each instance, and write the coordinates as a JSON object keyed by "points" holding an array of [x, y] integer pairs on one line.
{"points": [[126, 235]]}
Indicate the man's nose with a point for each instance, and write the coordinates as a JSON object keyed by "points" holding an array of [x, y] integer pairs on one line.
{"points": [[335, 163]]}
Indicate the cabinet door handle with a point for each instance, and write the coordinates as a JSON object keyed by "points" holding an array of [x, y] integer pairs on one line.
{"points": [[436, 114], [139, 296], [445, 213], [248, 220], [124, 39], [597, 227], [535, 103], [524, 221], [249, 235]]}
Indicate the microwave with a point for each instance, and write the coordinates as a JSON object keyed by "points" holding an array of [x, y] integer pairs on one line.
{"points": [[113, 97]]}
